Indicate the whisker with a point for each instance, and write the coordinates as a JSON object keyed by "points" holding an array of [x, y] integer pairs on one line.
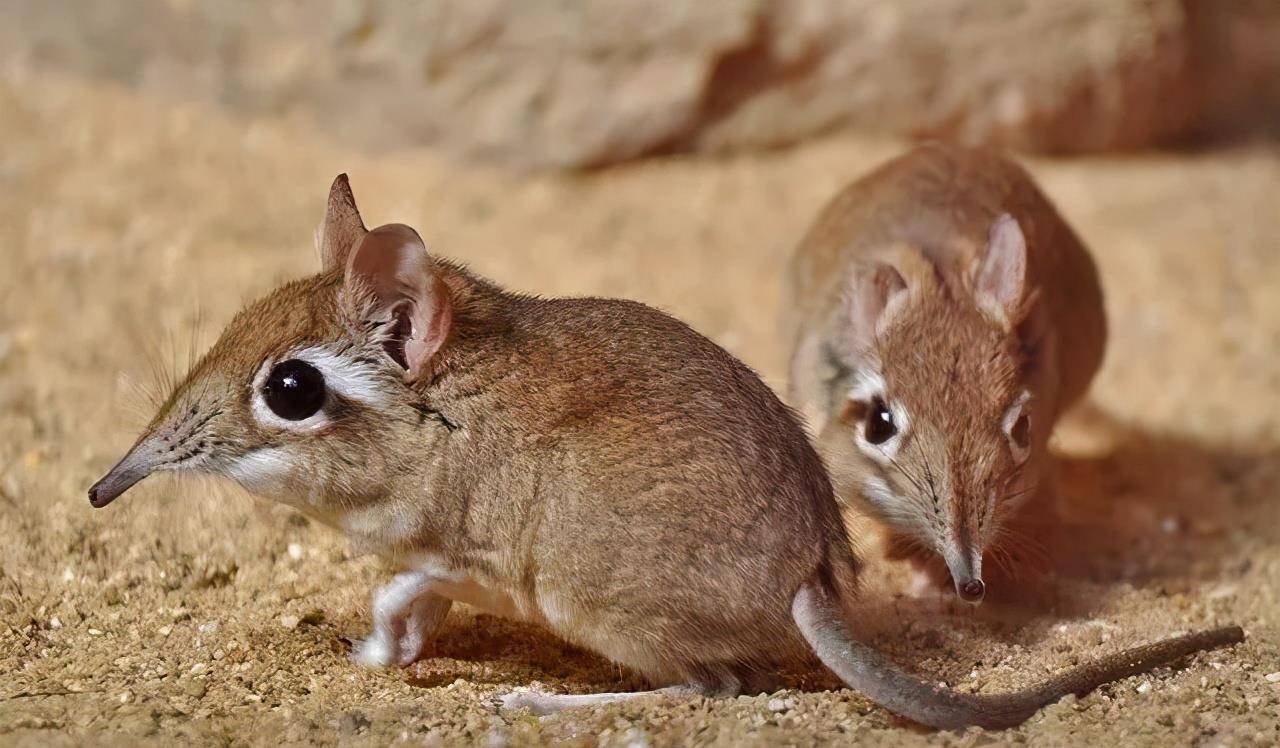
{"points": [[928, 470], [193, 340], [1011, 539], [919, 486], [1022, 492], [1001, 558], [1005, 478]]}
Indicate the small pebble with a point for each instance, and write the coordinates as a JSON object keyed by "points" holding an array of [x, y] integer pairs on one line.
{"points": [[1272, 677], [198, 668], [1144, 686], [295, 551], [289, 621], [776, 705]]}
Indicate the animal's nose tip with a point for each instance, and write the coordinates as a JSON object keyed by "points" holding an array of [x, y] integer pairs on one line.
{"points": [[972, 591], [119, 479], [99, 496]]}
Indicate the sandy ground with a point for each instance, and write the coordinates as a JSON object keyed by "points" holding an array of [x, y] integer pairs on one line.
{"points": [[131, 229]]}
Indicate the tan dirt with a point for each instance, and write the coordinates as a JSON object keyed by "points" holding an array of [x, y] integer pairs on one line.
{"points": [[188, 612]]}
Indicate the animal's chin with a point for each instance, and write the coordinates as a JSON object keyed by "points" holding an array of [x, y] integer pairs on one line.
{"points": [[281, 483]]}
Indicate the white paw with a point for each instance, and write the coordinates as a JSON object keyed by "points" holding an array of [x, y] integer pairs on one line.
{"points": [[375, 651], [384, 649]]}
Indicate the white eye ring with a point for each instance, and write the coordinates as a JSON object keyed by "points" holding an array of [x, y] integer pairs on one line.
{"points": [[263, 413], [344, 377], [869, 391], [1017, 427], [886, 450]]}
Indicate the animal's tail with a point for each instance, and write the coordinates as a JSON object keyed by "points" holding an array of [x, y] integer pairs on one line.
{"points": [[818, 615]]}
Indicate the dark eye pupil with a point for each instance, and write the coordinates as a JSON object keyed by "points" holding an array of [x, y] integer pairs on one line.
{"points": [[1021, 432], [294, 390], [880, 427]]}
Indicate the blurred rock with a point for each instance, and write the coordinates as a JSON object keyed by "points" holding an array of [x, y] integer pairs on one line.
{"points": [[538, 83]]}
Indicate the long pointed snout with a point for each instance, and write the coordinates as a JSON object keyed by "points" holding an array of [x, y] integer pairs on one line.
{"points": [[135, 466], [965, 565]]}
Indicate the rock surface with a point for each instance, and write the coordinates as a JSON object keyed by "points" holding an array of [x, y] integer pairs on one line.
{"points": [[540, 83]]}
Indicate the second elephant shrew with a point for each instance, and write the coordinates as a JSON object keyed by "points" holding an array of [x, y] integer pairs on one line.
{"points": [[591, 465], [943, 317]]}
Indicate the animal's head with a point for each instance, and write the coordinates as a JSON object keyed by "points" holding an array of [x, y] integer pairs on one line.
{"points": [[304, 393], [939, 410]]}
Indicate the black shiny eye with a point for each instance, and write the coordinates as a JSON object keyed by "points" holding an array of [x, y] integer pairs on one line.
{"points": [[294, 390], [879, 427], [1021, 431]]}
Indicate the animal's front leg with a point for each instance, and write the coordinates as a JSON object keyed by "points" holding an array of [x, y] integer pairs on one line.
{"points": [[406, 615]]}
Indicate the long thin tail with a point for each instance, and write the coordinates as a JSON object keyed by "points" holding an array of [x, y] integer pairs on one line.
{"points": [[819, 617]]}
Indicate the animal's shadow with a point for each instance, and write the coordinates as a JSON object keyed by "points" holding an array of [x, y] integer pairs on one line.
{"points": [[487, 649], [1123, 507]]}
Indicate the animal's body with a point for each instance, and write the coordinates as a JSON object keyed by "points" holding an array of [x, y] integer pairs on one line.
{"points": [[942, 316], [591, 465]]}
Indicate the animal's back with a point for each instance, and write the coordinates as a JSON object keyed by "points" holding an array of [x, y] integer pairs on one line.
{"points": [[662, 451], [942, 200]]}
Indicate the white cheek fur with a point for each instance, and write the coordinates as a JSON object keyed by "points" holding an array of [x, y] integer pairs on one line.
{"points": [[894, 508], [263, 471], [879, 493]]}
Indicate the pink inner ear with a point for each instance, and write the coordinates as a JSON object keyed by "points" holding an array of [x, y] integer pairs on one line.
{"points": [[432, 318], [1001, 281], [872, 289], [392, 263]]}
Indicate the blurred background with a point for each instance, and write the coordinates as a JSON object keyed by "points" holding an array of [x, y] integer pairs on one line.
{"points": [[164, 161], [598, 82]]}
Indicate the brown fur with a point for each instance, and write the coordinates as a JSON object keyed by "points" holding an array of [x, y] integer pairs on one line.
{"points": [[953, 366], [589, 464], [573, 425]]}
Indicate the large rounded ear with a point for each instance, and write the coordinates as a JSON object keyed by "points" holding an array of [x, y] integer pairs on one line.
{"points": [[1000, 282], [875, 292], [341, 229], [393, 278]]}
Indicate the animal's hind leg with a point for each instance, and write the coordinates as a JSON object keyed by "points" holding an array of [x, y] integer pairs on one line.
{"points": [[718, 684]]}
